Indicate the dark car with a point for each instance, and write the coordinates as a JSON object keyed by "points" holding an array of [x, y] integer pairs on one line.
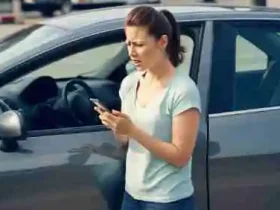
{"points": [[55, 154], [47, 7]]}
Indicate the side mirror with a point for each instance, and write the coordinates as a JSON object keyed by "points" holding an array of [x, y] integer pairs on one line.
{"points": [[11, 130]]}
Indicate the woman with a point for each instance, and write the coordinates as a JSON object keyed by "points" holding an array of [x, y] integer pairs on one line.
{"points": [[160, 115]]}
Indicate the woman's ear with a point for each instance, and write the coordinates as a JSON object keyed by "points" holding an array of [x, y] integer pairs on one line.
{"points": [[163, 41]]}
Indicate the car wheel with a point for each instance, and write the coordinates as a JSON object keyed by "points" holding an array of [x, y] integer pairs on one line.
{"points": [[66, 7], [47, 12]]}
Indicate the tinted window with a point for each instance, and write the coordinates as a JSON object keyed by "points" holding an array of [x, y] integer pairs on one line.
{"points": [[245, 59], [89, 61], [26, 40], [246, 68]]}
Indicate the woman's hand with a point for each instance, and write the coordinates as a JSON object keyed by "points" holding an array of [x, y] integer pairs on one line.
{"points": [[119, 122]]}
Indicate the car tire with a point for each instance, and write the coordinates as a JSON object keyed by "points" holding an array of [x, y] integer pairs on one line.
{"points": [[66, 7], [47, 12]]}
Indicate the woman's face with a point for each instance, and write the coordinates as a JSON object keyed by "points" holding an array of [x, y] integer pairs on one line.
{"points": [[144, 50]]}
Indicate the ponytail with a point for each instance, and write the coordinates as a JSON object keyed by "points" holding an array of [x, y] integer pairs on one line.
{"points": [[174, 48]]}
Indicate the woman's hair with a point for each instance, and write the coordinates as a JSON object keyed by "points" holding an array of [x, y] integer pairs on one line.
{"points": [[159, 23]]}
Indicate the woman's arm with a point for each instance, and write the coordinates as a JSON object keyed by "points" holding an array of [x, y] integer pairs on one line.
{"points": [[123, 139], [184, 133]]}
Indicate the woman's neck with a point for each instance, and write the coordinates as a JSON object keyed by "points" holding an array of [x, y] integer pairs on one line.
{"points": [[160, 72]]}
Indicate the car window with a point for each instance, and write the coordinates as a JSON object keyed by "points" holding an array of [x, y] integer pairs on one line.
{"points": [[27, 39], [188, 43], [246, 68], [90, 62], [185, 66], [248, 56], [91, 58], [87, 61]]}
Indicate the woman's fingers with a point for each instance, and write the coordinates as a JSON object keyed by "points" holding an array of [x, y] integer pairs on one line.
{"points": [[108, 119], [119, 114], [108, 125], [98, 109]]}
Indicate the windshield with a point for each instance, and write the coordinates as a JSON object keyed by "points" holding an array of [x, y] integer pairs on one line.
{"points": [[26, 40]]}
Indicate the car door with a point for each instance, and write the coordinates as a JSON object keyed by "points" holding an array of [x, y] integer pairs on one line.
{"points": [[244, 116], [61, 171], [83, 167], [70, 167]]}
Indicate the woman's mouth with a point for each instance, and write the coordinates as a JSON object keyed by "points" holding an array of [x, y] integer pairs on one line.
{"points": [[136, 62]]}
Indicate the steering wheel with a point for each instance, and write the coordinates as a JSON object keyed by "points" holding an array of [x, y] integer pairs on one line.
{"points": [[79, 105]]}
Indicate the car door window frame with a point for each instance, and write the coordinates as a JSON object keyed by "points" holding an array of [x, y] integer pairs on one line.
{"points": [[249, 23], [193, 71], [60, 52], [37, 62], [56, 54]]}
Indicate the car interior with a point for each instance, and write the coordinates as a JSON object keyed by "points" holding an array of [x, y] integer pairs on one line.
{"points": [[50, 103], [47, 102], [247, 88]]}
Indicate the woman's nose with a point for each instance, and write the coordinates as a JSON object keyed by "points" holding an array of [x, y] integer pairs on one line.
{"points": [[132, 52]]}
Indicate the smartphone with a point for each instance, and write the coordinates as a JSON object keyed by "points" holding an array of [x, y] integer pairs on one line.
{"points": [[98, 103]]}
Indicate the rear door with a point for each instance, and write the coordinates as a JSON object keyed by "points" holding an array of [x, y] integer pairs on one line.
{"points": [[244, 116]]}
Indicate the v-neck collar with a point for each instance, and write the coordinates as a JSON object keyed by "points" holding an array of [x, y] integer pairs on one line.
{"points": [[157, 99]]}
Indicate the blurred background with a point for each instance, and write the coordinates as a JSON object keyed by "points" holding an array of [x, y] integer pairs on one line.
{"points": [[16, 14]]}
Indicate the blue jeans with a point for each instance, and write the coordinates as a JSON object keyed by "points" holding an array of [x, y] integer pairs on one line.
{"points": [[129, 203]]}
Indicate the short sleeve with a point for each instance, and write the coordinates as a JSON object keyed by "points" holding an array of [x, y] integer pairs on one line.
{"points": [[186, 97]]}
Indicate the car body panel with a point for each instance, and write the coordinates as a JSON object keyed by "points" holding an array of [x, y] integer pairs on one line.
{"points": [[191, 12], [244, 170], [91, 17], [60, 171]]}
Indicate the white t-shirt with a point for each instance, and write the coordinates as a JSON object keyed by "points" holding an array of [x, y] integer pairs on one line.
{"points": [[149, 178]]}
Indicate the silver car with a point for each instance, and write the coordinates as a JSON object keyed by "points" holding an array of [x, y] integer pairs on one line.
{"points": [[54, 152]]}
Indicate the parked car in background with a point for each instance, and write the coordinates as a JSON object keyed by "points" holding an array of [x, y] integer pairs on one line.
{"points": [[48, 7], [80, 2], [54, 152]]}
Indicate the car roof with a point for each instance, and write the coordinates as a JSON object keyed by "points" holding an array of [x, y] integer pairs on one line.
{"points": [[80, 19]]}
